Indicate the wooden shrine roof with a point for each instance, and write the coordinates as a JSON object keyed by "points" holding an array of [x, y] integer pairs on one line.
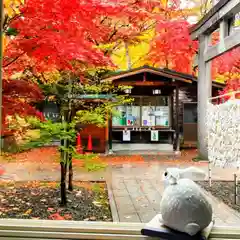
{"points": [[171, 74]]}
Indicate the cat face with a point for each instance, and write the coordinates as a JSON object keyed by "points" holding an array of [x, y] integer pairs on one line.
{"points": [[170, 176]]}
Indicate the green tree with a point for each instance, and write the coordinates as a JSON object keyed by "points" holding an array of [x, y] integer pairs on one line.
{"points": [[75, 110]]}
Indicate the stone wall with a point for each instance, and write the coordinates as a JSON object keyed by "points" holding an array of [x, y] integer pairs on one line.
{"points": [[223, 123]]}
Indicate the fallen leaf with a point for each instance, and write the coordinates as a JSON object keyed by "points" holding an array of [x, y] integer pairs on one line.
{"points": [[67, 216], [79, 193], [138, 199], [97, 204], [28, 212], [1, 170], [34, 194], [51, 209], [56, 216]]}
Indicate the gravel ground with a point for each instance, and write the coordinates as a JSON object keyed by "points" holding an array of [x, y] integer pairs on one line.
{"points": [[38, 200], [224, 191]]}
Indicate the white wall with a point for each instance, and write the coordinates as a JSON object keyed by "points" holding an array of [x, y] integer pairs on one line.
{"points": [[223, 123]]}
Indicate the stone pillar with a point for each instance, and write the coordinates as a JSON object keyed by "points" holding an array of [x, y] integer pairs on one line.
{"points": [[204, 93]]}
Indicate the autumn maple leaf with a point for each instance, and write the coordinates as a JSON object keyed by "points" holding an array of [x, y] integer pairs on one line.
{"points": [[56, 216], [1, 170]]}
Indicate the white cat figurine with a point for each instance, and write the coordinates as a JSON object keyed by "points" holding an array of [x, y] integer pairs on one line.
{"points": [[184, 206]]}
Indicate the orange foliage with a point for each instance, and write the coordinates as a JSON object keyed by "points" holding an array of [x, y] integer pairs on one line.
{"points": [[172, 46], [49, 156], [1, 171], [42, 155]]}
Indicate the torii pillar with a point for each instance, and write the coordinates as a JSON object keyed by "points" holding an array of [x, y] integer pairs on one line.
{"points": [[222, 16]]}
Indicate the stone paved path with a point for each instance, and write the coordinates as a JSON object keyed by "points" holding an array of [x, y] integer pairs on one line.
{"points": [[136, 188], [137, 200], [137, 193]]}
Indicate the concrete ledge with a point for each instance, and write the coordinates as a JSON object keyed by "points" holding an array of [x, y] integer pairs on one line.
{"points": [[155, 147], [112, 203], [49, 229]]}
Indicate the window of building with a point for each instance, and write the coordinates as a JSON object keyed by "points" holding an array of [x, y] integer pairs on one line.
{"points": [[145, 111]]}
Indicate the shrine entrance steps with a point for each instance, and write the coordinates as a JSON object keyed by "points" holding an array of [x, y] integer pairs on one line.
{"points": [[142, 149]]}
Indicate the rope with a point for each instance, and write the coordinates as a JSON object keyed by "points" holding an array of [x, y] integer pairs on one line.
{"points": [[226, 94]]}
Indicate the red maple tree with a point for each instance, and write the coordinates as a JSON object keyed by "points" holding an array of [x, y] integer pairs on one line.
{"points": [[227, 65], [56, 33], [64, 35], [18, 98], [172, 46]]}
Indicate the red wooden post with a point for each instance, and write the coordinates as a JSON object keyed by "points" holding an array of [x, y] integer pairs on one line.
{"points": [[79, 144], [89, 146]]}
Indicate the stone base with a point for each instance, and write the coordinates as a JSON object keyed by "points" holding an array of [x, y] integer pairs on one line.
{"points": [[109, 152], [155, 229]]}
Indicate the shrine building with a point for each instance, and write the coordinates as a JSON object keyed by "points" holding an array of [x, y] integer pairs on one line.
{"points": [[162, 118]]}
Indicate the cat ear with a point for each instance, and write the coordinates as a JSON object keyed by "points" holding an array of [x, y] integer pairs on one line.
{"points": [[193, 173]]}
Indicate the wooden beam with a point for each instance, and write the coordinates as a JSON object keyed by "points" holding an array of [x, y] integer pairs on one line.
{"points": [[172, 110], [228, 43], [110, 136], [146, 83], [231, 8], [107, 134], [177, 146], [132, 73], [145, 77]]}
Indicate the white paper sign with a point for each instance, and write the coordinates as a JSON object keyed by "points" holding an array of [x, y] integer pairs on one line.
{"points": [[148, 120], [158, 113], [154, 135], [126, 135], [163, 116]]}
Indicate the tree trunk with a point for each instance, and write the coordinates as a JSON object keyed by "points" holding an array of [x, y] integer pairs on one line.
{"points": [[63, 163], [63, 185], [128, 58], [69, 157], [70, 175], [9, 144]]}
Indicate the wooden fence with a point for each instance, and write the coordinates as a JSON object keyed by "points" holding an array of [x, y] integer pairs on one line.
{"points": [[16, 229]]}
